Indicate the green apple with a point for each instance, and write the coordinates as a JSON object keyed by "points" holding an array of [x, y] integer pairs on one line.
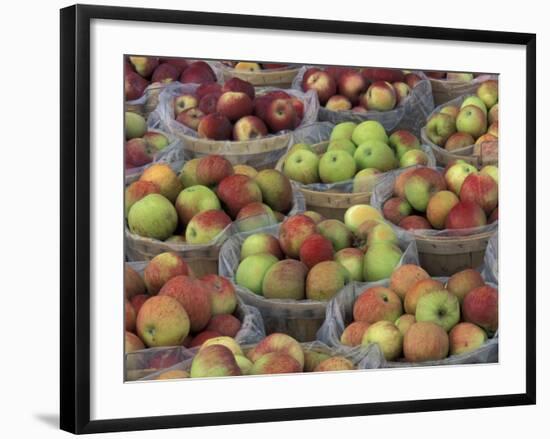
{"points": [[418, 192], [188, 173], [134, 125], [375, 154], [365, 180], [476, 101], [299, 147], [195, 199], [252, 269], [352, 260], [402, 141], [336, 232], [488, 92], [440, 127], [439, 307], [358, 214], [153, 217], [343, 130], [387, 336], [302, 166], [413, 157], [336, 166], [459, 76], [369, 130], [491, 171], [471, 120], [456, 174], [342, 144], [380, 261]]}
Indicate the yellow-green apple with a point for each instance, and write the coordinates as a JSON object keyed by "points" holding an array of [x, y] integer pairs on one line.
{"points": [[480, 189], [153, 217], [458, 76], [192, 118], [281, 115], [471, 120], [418, 191], [475, 101], [212, 169], [136, 191], [353, 333], [336, 166], [245, 170], [165, 73], [493, 130], [193, 295], [387, 336], [134, 125], [247, 66], [244, 364], [237, 84], [315, 216], [412, 79], [193, 200], [209, 102], [488, 92], [425, 341], [249, 128], [315, 249], [414, 222], [133, 283], [404, 277], [156, 141], [404, 322], [415, 157], [382, 74], [456, 174], [234, 105], [480, 306], [417, 290], [352, 260], [184, 102], [365, 180], [278, 342], [338, 103], [351, 84], [325, 279], [134, 86], [188, 173], [163, 175], [162, 321], [334, 364], [303, 166], [129, 316], [285, 279], [463, 282], [162, 268], [439, 307], [458, 141], [369, 130], [358, 214], [374, 154], [252, 269], [255, 216], [466, 337], [440, 127], [276, 189], [274, 363], [491, 171], [380, 96], [343, 130], [395, 209], [176, 239], [215, 126], [322, 83], [223, 299], [402, 141], [214, 361], [400, 180], [229, 342], [465, 215], [224, 324], [342, 144], [402, 90], [337, 232], [132, 343], [205, 226], [261, 243], [377, 233], [493, 115], [439, 206], [377, 303], [144, 65], [198, 72], [236, 191], [293, 232], [451, 110]]}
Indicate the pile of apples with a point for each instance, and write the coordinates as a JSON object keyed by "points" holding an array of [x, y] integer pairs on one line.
{"points": [[277, 353], [209, 193], [418, 318], [460, 198], [168, 306], [367, 89], [234, 112], [314, 258], [142, 71], [356, 151], [141, 145], [247, 66], [473, 123]]}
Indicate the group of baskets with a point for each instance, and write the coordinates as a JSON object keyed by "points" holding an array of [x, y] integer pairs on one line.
{"points": [[316, 325]]}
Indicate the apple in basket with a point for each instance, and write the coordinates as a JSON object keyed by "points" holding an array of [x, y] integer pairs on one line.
{"points": [[425, 341], [321, 82]]}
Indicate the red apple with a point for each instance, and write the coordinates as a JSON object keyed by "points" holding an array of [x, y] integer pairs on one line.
{"points": [[199, 73], [465, 215], [293, 232], [316, 248], [215, 126], [322, 83], [184, 102], [206, 89], [134, 86], [480, 306], [234, 105], [165, 73], [352, 84], [482, 190], [179, 63], [137, 153], [281, 115], [212, 169], [191, 118], [414, 222], [378, 74], [236, 84], [249, 128], [236, 191], [209, 102]]}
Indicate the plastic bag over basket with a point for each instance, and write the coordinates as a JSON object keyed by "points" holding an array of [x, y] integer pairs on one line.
{"points": [[279, 77], [410, 115], [445, 90]]}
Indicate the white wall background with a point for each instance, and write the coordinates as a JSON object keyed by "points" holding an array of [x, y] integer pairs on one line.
{"points": [[29, 217]]}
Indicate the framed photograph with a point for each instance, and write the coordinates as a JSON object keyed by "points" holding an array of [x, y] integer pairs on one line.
{"points": [[292, 219]]}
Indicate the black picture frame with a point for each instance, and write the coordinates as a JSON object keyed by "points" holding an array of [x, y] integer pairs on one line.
{"points": [[75, 217]]}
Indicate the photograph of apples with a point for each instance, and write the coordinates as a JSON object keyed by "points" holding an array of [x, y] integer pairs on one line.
{"points": [[293, 218]]}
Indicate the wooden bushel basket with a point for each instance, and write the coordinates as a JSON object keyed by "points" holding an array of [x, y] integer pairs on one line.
{"points": [[263, 78]]}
